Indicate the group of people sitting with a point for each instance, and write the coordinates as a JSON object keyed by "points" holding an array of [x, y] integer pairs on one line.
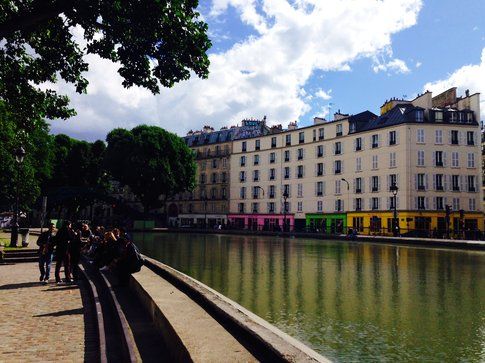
{"points": [[107, 250]]}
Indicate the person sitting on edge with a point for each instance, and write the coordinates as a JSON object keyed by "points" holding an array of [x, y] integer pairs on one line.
{"points": [[46, 249]]}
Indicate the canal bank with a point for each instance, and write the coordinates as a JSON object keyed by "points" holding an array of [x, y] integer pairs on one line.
{"points": [[413, 241]]}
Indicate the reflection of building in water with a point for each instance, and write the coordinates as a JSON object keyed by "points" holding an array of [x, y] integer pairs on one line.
{"points": [[360, 299]]}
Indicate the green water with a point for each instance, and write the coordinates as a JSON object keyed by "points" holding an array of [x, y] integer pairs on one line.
{"points": [[348, 301]]}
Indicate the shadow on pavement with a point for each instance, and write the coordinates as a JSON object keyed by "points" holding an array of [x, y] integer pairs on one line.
{"points": [[20, 285], [62, 313]]}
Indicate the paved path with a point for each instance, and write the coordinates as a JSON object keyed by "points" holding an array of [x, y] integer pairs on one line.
{"points": [[39, 322]]}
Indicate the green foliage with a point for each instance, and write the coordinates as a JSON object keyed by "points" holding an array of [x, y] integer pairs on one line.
{"points": [[154, 41], [151, 161], [34, 170]]}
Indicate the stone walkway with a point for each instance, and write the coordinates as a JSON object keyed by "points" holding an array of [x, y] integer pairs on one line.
{"points": [[39, 322]]}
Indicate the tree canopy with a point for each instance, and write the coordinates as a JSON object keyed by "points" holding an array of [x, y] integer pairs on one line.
{"points": [[153, 162], [154, 41]]}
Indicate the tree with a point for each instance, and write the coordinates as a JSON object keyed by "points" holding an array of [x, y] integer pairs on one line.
{"points": [[154, 163], [36, 167], [154, 41]]}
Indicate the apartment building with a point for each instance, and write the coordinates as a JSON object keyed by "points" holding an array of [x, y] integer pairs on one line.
{"points": [[338, 174]]}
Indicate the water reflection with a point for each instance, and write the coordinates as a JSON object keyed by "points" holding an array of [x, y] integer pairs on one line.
{"points": [[349, 301]]}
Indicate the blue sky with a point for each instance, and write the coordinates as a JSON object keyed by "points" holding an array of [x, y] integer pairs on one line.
{"points": [[294, 59]]}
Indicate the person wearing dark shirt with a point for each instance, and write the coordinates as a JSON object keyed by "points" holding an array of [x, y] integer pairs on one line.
{"points": [[46, 249], [63, 240]]}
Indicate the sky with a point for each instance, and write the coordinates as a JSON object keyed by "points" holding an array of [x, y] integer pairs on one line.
{"points": [[292, 60]]}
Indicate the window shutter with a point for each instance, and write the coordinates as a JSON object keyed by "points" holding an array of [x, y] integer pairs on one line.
{"points": [[397, 202], [444, 158], [445, 182], [388, 206], [416, 181], [354, 203], [378, 183], [415, 202], [333, 168], [449, 137], [343, 205], [475, 141], [397, 137], [355, 144], [461, 182], [323, 187], [342, 166], [335, 204], [434, 158], [323, 168], [397, 180], [341, 147], [426, 203], [434, 203], [316, 188], [388, 182], [476, 184], [426, 181], [466, 183], [370, 203], [434, 181], [460, 133]]}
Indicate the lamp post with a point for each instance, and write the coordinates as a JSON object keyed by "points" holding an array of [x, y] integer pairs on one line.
{"points": [[394, 190], [285, 197], [348, 194], [19, 157]]}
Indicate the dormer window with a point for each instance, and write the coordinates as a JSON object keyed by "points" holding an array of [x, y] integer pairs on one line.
{"points": [[453, 116], [419, 116], [352, 127], [339, 130], [469, 117], [438, 116]]}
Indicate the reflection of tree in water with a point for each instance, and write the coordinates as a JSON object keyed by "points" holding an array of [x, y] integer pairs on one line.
{"points": [[349, 301]]}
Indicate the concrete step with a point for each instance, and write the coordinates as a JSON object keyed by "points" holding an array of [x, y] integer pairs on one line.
{"points": [[7, 259], [21, 254], [21, 251]]}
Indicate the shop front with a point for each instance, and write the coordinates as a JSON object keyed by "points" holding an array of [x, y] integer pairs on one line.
{"points": [[262, 222], [333, 223]]}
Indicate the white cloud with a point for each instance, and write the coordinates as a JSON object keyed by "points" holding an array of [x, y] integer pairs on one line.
{"points": [[395, 65], [418, 64], [262, 75], [324, 95], [471, 77]]}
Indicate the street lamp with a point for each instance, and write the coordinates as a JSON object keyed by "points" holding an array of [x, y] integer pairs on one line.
{"points": [[285, 197], [394, 189], [19, 157], [348, 192]]}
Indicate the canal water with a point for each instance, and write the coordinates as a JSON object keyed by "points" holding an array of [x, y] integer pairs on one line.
{"points": [[348, 301]]}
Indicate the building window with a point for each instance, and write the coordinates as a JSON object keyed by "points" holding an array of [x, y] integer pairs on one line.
{"points": [[454, 137], [420, 160], [471, 160], [339, 130], [244, 146], [299, 206], [321, 134], [455, 183], [287, 172], [438, 156], [456, 203], [255, 207], [319, 189], [453, 116], [214, 163], [420, 181], [469, 117], [392, 160], [256, 175], [272, 174], [440, 205], [272, 158], [339, 205], [319, 169], [470, 138], [375, 183], [358, 204], [287, 155], [374, 162], [338, 166], [224, 162], [471, 183], [299, 190], [338, 186], [301, 137], [319, 151], [337, 148], [420, 136], [358, 164], [243, 161], [203, 165], [438, 116], [375, 141], [438, 136], [299, 170], [358, 185], [242, 176], [300, 154], [257, 144], [256, 159], [455, 161], [287, 190], [392, 138], [271, 208], [271, 191], [288, 139], [358, 144], [375, 203], [421, 203], [256, 192], [319, 206], [273, 142], [202, 179], [241, 207], [471, 204], [213, 193], [224, 177], [214, 178], [392, 181], [419, 116], [438, 181]]}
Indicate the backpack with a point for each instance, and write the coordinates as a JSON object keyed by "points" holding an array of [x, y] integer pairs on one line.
{"points": [[134, 259]]}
